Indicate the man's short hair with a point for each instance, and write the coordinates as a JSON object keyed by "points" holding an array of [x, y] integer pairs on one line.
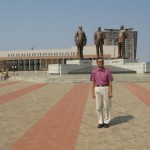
{"points": [[100, 58]]}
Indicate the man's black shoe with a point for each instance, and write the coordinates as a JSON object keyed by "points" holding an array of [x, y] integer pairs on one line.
{"points": [[106, 125], [100, 125]]}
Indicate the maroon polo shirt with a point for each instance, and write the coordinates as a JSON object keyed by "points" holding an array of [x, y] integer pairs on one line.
{"points": [[101, 76]]}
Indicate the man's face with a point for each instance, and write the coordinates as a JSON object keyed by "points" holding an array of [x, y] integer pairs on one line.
{"points": [[100, 63]]}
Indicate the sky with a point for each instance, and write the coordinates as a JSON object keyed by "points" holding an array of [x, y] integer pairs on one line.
{"points": [[51, 24]]}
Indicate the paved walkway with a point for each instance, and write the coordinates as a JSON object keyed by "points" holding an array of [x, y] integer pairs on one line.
{"points": [[37, 116]]}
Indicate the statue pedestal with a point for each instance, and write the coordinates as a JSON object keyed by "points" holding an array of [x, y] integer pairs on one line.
{"points": [[86, 66], [139, 67], [71, 66], [119, 61]]}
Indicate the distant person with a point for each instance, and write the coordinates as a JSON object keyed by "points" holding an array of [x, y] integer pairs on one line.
{"points": [[99, 37], [122, 35], [102, 79], [4, 74], [80, 40], [1, 75]]}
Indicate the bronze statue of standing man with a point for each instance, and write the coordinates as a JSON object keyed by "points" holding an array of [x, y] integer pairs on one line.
{"points": [[80, 40], [122, 35], [99, 37]]}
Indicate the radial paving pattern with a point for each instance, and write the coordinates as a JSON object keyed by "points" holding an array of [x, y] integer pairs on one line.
{"points": [[62, 117]]}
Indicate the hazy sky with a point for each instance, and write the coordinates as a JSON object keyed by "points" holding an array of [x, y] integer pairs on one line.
{"points": [[48, 24]]}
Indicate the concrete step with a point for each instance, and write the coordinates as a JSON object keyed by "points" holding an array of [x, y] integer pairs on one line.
{"points": [[88, 70], [80, 78]]}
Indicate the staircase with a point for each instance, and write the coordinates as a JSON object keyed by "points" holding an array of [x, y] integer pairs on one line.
{"points": [[80, 78], [114, 69]]}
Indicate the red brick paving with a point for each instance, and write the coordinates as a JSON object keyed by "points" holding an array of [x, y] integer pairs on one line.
{"points": [[142, 93], [58, 129], [15, 94], [8, 83]]}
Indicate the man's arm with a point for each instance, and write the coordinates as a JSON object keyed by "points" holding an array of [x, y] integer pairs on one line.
{"points": [[110, 90], [93, 89]]}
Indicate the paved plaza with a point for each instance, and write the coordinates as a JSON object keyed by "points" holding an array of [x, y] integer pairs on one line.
{"points": [[53, 116]]}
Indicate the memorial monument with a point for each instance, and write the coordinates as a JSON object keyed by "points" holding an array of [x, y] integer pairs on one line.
{"points": [[99, 37], [122, 35], [80, 40]]}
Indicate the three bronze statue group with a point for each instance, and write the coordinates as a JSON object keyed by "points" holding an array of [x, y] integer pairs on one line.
{"points": [[99, 36]]}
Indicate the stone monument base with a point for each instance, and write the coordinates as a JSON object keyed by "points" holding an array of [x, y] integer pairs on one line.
{"points": [[70, 66], [86, 66], [139, 67]]}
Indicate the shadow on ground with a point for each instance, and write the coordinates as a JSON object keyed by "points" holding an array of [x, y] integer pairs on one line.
{"points": [[121, 119]]}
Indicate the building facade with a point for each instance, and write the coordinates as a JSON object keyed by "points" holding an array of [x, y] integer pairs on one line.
{"points": [[26, 60]]}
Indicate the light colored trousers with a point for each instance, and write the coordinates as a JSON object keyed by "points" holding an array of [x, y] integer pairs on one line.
{"points": [[103, 104]]}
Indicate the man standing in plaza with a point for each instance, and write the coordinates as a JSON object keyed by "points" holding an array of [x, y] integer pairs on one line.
{"points": [[99, 37], [102, 92], [122, 35], [80, 40]]}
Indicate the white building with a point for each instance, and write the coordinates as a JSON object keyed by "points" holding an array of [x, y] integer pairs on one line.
{"points": [[39, 59]]}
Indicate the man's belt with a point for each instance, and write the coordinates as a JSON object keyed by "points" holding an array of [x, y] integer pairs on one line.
{"points": [[101, 85]]}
